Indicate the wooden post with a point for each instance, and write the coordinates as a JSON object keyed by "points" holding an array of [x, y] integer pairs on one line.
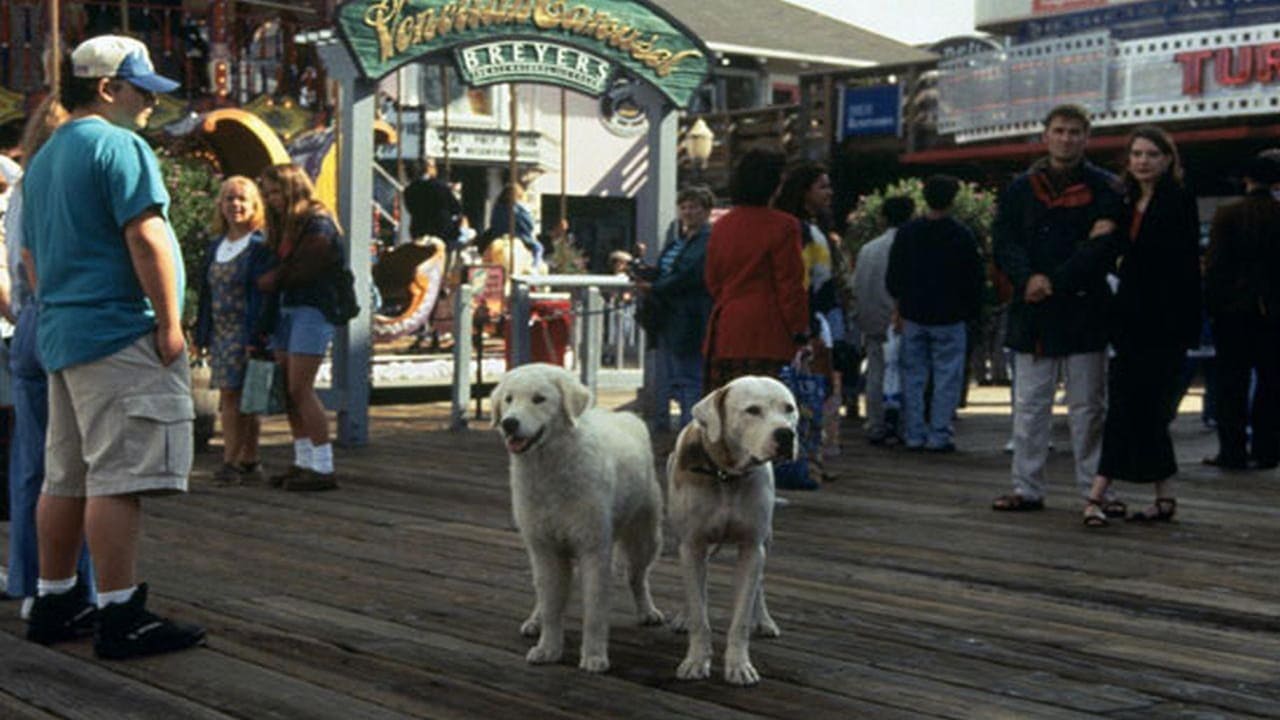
{"points": [[352, 345], [592, 338], [462, 310], [513, 169], [518, 332], [564, 162], [55, 49], [444, 133]]}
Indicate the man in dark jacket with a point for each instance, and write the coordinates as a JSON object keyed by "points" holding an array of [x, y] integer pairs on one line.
{"points": [[1242, 295], [935, 276], [1057, 320], [433, 208]]}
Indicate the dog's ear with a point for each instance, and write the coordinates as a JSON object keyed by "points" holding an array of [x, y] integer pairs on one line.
{"points": [[709, 413], [575, 398], [495, 405]]}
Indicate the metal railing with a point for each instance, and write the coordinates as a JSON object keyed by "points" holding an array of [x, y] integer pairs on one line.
{"points": [[590, 308]]}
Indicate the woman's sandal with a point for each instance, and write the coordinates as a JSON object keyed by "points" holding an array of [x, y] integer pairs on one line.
{"points": [[1115, 508], [1094, 514], [1162, 511]]}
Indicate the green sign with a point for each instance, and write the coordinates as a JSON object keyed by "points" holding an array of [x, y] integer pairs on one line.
{"points": [[580, 41], [533, 61]]}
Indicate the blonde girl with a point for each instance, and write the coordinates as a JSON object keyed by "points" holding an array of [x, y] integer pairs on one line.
{"points": [[230, 317], [307, 241]]}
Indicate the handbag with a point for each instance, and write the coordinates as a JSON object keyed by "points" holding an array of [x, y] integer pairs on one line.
{"points": [[264, 388], [344, 305], [810, 391]]}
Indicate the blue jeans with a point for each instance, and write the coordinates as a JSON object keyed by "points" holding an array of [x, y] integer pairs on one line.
{"points": [[682, 375], [940, 350], [26, 463]]}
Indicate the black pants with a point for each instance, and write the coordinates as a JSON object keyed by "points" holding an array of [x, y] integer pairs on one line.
{"points": [[1248, 343]]}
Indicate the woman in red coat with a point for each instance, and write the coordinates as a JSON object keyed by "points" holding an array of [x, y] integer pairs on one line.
{"points": [[760, 315]]}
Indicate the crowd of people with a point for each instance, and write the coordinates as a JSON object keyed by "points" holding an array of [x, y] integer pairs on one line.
{"points": [[1105, 283], [1099, 280]]}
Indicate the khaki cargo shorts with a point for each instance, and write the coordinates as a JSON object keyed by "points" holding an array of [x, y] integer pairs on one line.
{"points": [[120, 425]]}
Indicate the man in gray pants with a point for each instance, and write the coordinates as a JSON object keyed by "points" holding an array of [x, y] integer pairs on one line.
{"points": [[1057, 320], [873, 310]]}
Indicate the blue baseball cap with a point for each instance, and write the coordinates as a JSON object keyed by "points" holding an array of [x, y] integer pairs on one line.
{"points": [[116, 56]]}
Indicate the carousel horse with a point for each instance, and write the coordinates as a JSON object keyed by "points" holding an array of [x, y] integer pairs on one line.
{"points": [[409, 279]]}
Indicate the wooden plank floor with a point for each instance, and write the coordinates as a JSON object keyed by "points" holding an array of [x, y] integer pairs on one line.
{"points": [[900, 595]]}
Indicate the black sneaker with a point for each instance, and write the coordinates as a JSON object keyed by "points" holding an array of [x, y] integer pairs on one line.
{"points": [[128, 630], [63, 617], [311, 481], [279, 479]]}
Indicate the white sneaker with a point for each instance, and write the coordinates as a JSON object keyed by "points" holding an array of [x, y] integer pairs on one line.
{"points": [[24, 612]]}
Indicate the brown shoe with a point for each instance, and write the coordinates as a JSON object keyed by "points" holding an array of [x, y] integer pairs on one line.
{"points": [[279, 479], [227, 475], [311, 481], [251, 474]]}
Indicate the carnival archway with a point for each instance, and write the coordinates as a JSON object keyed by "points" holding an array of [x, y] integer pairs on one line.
{"points": [[583, 45]]}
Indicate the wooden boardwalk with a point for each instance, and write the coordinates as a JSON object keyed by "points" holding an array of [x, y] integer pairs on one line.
{"points": [[899, 593]]}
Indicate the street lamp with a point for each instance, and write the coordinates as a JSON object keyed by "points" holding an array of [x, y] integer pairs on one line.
{"points": [[699, 141]]}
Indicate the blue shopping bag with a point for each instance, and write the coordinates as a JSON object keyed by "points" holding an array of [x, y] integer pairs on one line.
{"points": [[810, 391]]}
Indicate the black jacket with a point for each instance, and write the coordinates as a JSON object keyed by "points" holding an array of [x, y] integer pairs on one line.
{"points": [[1242, 265], [1039, 232], [935, 272], [1158, 303], [433, 210]]}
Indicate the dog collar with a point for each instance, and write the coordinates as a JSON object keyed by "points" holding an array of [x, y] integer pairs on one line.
{"points": [[717, 472]]}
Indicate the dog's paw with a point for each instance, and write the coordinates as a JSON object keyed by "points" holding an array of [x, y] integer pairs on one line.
{"points": [[740, 672], [531, 627], [594, 663], [652, 616], [541, 655], [694, 667], [766, 628], [679, 623]]}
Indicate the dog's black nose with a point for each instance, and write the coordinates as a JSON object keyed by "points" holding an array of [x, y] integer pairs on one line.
{"points": [[786, 439], [510, 426]]}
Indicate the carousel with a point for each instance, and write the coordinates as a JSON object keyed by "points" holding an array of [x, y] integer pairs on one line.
{"points": [[592, 47]]}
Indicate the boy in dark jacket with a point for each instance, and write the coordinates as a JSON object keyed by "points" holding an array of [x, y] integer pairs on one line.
{"points": [[935, 276]]}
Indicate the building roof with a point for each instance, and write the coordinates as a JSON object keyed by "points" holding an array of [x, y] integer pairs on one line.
{"points": [[777, 29]]}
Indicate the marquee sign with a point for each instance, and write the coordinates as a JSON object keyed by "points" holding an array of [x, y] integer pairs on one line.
{"points": [[579, 44], [1203, 75]]}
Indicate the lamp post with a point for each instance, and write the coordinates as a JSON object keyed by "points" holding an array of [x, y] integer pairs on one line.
{"points": [[699, 141]]}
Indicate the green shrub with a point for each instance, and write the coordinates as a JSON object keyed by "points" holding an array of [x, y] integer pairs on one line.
{"points": [[193, 193], [973, 206]]}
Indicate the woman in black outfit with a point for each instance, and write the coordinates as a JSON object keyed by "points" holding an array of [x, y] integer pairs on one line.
{"points": [[1156, 317]]}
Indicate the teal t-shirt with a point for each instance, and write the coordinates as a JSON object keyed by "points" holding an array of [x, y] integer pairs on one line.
{"points": [[87, 182]]}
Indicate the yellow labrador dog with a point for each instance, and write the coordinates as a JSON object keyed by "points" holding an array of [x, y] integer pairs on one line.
{"points": [[582, 480], [720, 490]]}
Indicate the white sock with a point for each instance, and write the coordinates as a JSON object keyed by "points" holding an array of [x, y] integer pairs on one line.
{"points": [[322, 458], [115, 597], [302, 452], [54, 587], [25, 611]]}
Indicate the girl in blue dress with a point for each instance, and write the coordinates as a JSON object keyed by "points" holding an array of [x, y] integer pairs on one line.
{"points": [[229, 311]]}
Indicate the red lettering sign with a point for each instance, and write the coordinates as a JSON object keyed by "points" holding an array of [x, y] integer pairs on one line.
{"points": [[1232, 67]]}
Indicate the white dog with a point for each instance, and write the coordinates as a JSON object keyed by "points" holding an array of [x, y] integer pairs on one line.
{"points": [[720, 490], [581, 480]]}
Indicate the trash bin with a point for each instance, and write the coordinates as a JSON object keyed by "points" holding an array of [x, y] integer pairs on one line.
{"points": [[550, 327]]}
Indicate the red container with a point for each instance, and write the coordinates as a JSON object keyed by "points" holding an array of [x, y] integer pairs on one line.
{"points": [[549, 331]]}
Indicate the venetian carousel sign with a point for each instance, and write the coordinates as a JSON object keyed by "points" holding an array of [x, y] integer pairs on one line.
{"points": [[584, 45]]}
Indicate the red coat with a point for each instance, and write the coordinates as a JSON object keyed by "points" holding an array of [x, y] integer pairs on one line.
{"points": [[756, 280]]}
